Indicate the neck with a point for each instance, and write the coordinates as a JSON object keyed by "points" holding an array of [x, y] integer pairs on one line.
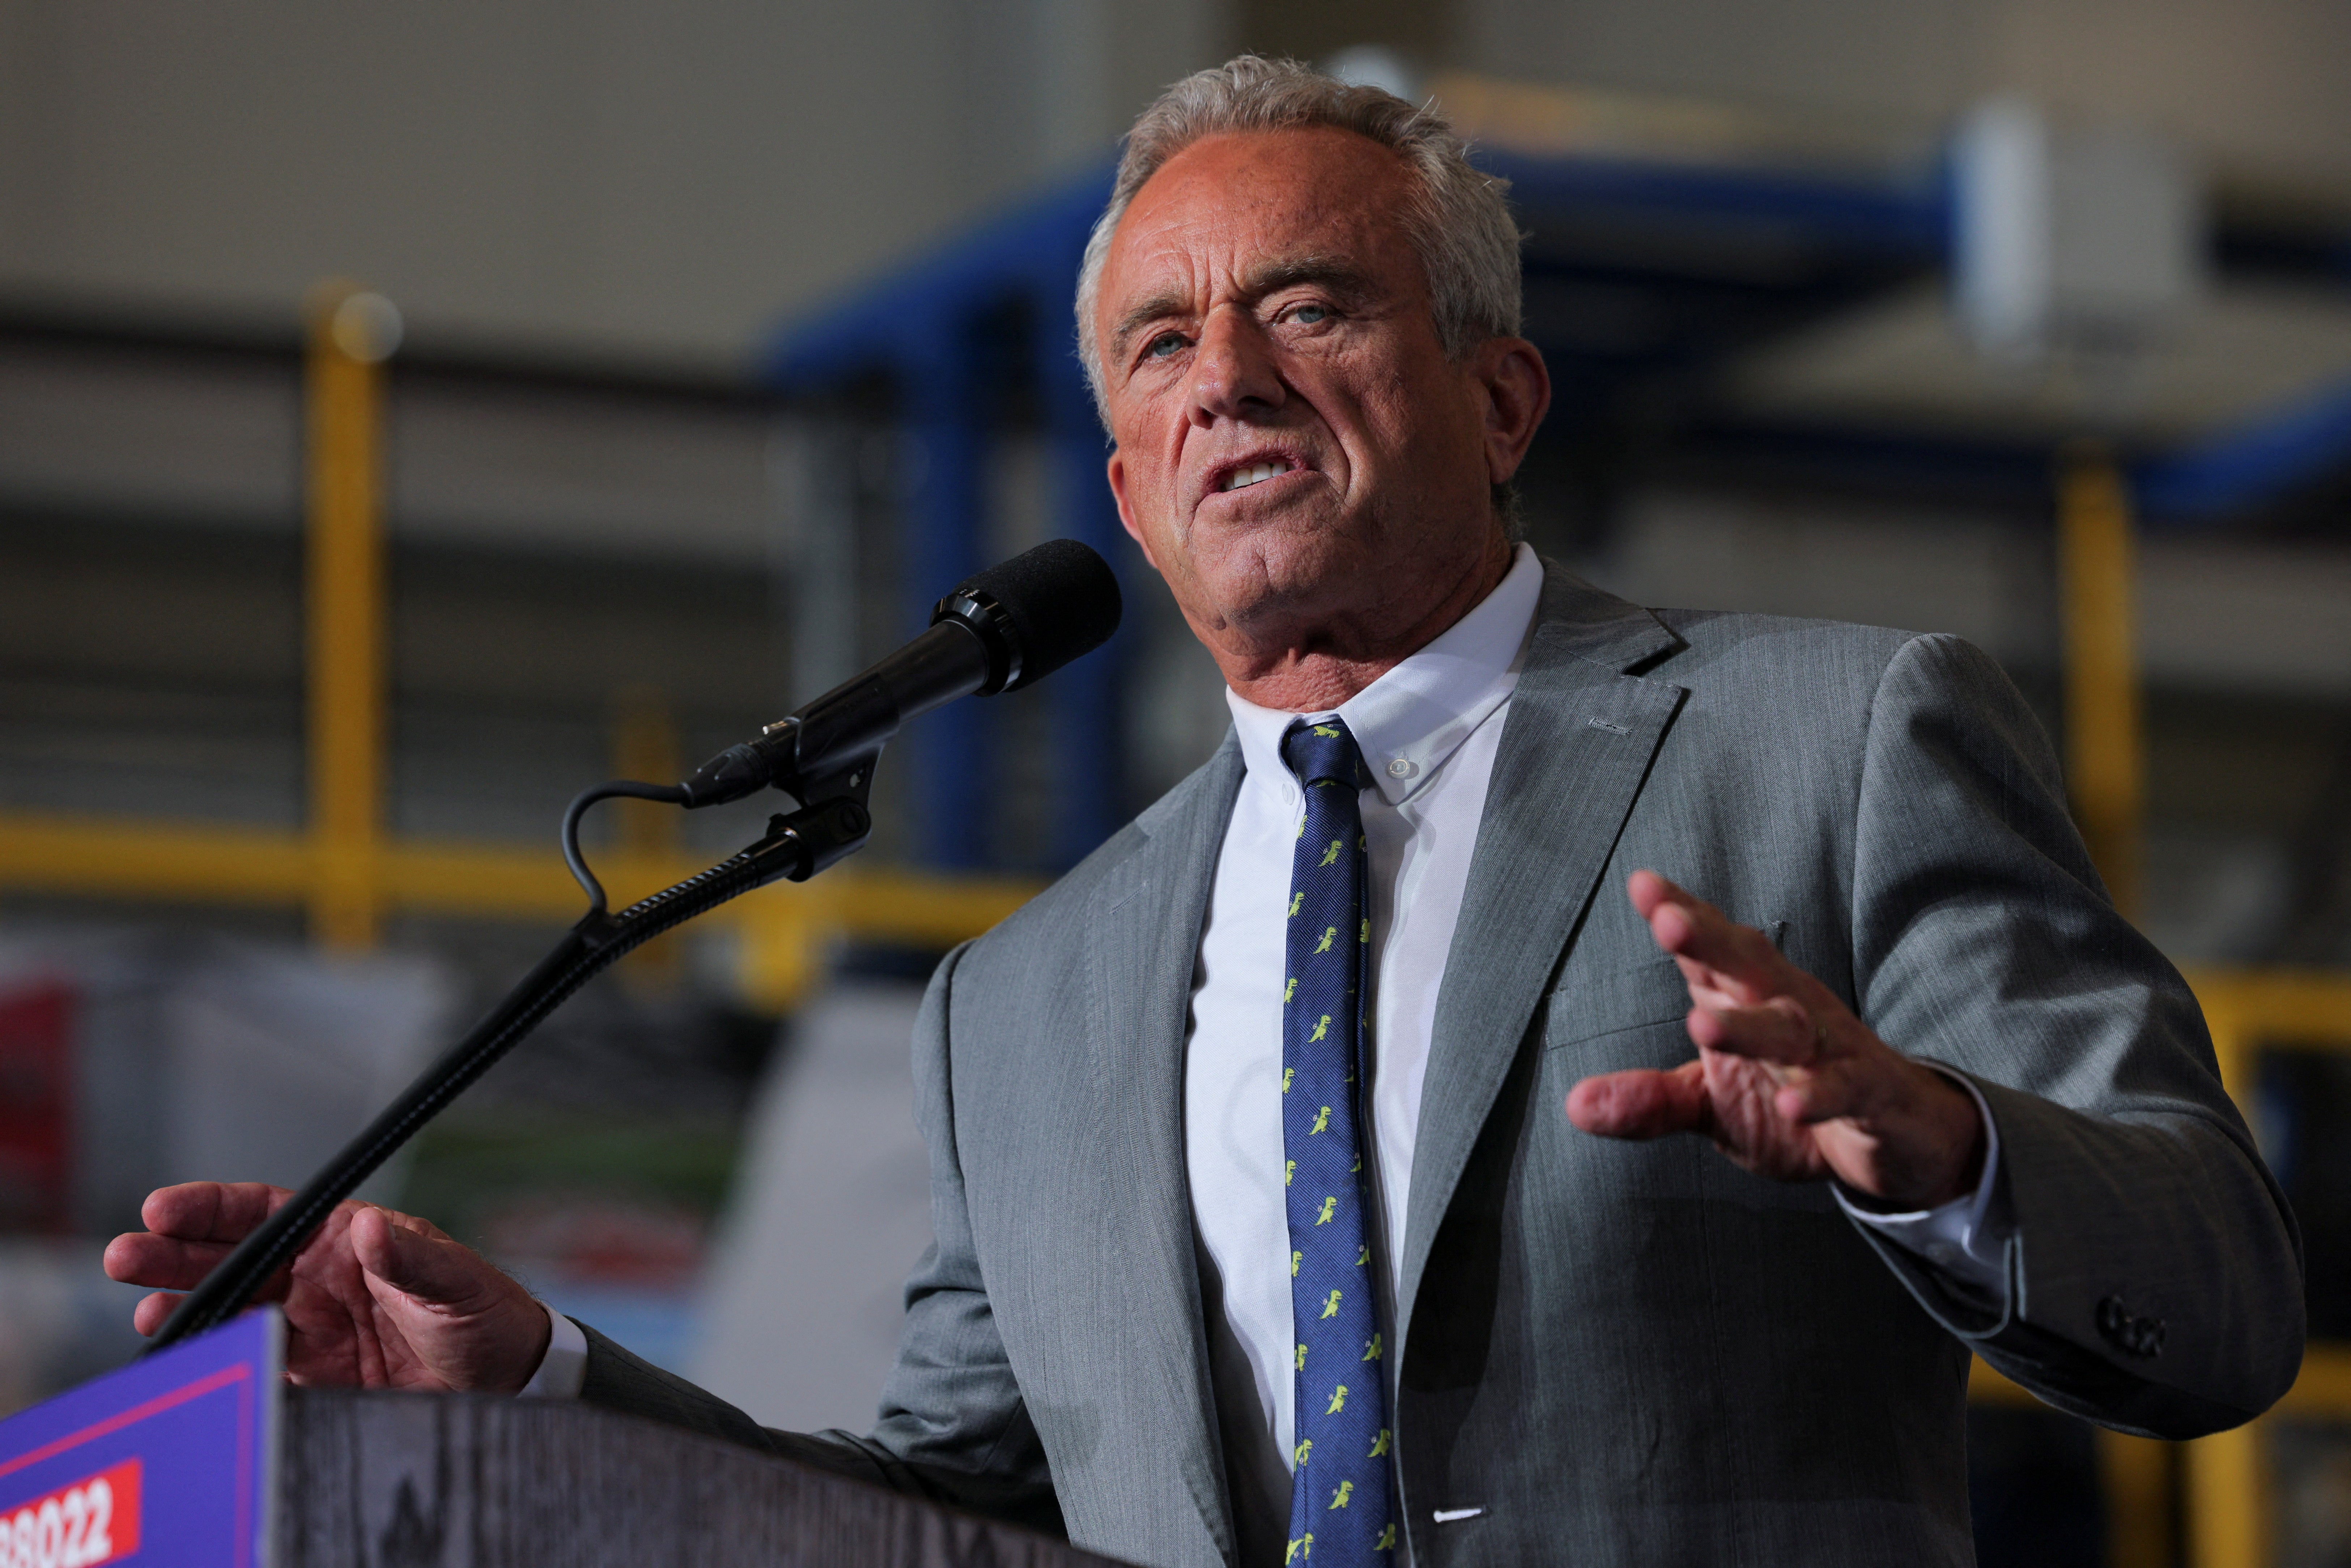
{"points": [[1316, 666]]}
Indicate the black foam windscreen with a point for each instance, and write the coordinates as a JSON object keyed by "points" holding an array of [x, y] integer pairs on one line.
{"points": [[1063, 601]]}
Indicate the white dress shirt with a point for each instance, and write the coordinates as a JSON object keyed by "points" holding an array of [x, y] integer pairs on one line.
{"points": [[1428, 729]]}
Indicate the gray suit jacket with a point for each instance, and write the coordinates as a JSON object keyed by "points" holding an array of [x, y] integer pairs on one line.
{"points": [[1622, 1353]]}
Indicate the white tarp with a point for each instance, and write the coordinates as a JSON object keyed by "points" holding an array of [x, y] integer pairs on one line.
{"points": [[831, 1211]]}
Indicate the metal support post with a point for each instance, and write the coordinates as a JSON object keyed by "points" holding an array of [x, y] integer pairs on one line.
{"points": [[2104, 772], [351, 332], [945, 753], [2104, 764], [2226, 1479], [645, 746]]}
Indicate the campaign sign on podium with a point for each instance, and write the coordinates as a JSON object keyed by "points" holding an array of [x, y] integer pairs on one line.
{"points": [[164, 1461]]}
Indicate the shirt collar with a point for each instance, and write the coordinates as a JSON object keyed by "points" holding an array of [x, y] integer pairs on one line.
{"points": [[1410, 720]]}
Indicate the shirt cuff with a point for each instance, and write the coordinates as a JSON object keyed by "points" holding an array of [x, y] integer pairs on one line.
{"points": [[564, 1368], [1965, 1241]]}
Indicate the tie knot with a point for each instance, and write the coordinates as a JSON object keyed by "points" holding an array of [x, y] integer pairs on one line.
{"points": [[1321, 751]]}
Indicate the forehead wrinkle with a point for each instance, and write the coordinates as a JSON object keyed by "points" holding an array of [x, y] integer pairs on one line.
{"points": [[1277, 273]]}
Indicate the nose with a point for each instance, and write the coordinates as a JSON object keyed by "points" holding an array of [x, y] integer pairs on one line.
{"points": [[1234, 375]]}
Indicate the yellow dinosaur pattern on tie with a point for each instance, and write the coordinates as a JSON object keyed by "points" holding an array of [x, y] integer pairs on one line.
{"points": [[1325, 1034]]}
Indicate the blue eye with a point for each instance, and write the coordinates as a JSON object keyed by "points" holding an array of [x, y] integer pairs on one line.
{"points": [[1310, 315], [1163, 345]]}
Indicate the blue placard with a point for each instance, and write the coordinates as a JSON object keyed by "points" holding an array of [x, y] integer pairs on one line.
{"points": [[167, 1461]]}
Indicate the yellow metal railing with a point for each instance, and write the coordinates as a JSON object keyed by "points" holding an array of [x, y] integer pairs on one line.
{"points": [[2228, 1510], [780, 931]]}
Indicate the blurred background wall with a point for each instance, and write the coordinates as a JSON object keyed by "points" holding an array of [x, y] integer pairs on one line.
{"points": [[698, 348]]}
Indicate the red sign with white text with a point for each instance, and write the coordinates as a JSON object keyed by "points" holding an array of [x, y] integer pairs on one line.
{"points": [[94, 1520]]}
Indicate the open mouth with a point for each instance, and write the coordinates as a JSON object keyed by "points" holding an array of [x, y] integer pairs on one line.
{"points": [[1256, 474]]}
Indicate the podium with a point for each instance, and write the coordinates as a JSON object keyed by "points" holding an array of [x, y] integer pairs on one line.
{"points": [[202, 1457], [411, 1481]]}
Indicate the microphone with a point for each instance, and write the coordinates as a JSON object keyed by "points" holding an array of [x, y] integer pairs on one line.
{"points": [[998, 630]]}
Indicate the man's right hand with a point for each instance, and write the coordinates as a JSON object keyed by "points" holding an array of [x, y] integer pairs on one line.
{"points": [[375, 1300]]}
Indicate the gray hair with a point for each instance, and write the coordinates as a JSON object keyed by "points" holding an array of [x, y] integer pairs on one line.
{"points": [[1457, 217]]}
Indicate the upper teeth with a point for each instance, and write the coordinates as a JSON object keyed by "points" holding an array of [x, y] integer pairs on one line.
{"points": [[1241, 477]]}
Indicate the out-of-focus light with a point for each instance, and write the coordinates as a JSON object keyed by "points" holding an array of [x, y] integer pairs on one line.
{"points": [[1375, 64], [366, 326], [2069, 242]]}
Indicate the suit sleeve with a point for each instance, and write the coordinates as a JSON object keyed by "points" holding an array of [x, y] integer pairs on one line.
{"points": [[2153, 1269], [953, 1427]]}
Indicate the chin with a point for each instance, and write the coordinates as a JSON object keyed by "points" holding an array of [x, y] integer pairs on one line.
{"points": [[1284, 564]]}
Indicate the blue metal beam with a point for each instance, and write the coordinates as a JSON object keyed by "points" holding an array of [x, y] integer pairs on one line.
{"points": [[2260, 459]]}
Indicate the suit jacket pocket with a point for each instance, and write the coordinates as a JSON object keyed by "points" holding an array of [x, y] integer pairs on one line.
{"points": [[1632, 996], [1647, 991]]}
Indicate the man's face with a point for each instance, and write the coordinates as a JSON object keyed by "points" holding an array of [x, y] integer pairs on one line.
{"points": [[1292, 442]]}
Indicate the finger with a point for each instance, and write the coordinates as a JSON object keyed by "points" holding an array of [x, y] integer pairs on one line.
{"points": [[1779, 1030], [210, 1211], [1699, 933], [420, 1226], [1647, 890], [431, 1268], [160, 1262], [152, 1311], [1822, 1097], [1641, 1103]]}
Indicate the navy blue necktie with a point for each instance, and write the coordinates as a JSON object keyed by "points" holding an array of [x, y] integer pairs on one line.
{"points": [[1341, 1512]]}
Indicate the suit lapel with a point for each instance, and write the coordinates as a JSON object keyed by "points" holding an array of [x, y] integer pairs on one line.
{"points": [[1575, 746], [1147, 917]]}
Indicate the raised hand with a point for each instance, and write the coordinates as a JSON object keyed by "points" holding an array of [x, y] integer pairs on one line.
{"points": [[375, 1300], [1788, 1082]]}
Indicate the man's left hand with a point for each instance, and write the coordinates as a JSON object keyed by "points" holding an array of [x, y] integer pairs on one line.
{"points": [[1788, 1082]]}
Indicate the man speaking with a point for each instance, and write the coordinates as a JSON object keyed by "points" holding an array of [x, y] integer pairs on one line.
{"points": [[1309, 1167]]}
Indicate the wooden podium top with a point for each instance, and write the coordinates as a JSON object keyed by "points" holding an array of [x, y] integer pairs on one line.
{"points": [[410, 1480]]}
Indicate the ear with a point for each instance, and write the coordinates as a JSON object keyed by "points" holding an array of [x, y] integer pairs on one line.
{"points": [[1126, 508], [1518, 394]]}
